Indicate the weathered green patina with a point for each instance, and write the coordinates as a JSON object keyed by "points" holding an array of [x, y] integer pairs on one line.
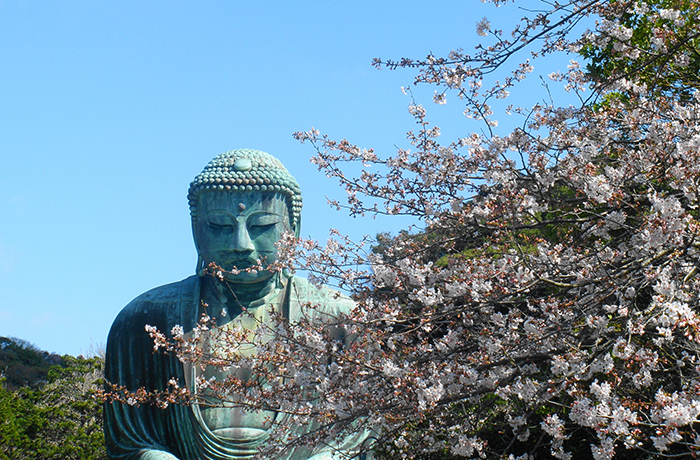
{"points": [[241, 205]]}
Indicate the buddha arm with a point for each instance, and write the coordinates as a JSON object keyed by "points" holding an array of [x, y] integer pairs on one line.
{"points": [[134, 432]]}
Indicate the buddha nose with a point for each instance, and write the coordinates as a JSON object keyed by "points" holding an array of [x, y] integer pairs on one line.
{"points": [[241, 240]]}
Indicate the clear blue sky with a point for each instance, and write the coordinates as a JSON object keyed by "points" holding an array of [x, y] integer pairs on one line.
{"points": [[109, 109]]}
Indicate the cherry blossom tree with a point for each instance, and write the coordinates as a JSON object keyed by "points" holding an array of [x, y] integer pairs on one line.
{"points": [[549, 304]]}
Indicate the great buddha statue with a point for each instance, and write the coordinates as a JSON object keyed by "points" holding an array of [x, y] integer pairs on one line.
{"points": [[241, 204]]}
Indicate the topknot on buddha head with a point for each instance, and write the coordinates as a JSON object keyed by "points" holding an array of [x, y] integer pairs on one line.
{"points": [[246, 170]]}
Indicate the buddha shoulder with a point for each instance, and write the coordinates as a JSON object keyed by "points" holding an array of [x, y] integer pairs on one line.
{"points": [[163, 302]]}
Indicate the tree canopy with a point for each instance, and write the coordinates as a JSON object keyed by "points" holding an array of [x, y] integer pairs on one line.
{"points": [[49, 411], [22, 364]]}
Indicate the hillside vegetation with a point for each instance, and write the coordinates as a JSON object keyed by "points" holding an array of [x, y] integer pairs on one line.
{"points": [[47, 404]]}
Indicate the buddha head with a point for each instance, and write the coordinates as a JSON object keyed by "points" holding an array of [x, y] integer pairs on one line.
{"points": [[241, 204]]}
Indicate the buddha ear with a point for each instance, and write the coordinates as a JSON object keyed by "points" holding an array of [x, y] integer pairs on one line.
{"points": [[199, 269], [297, 228]]}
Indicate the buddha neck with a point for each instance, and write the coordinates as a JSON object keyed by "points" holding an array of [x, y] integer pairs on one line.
{"points": [[238, 296]]}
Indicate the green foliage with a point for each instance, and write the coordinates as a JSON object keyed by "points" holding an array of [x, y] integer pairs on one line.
{"points": [[662, 51], [22, 364], [56, 419]]}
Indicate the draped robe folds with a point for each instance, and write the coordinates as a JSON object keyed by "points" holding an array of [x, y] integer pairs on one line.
{"points": [[132, 431]]}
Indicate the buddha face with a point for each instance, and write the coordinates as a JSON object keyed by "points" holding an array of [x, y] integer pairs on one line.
{"points": [[238, 230]]}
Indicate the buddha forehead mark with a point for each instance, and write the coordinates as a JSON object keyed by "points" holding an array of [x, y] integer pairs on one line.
{"points": [[247, 170]]}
